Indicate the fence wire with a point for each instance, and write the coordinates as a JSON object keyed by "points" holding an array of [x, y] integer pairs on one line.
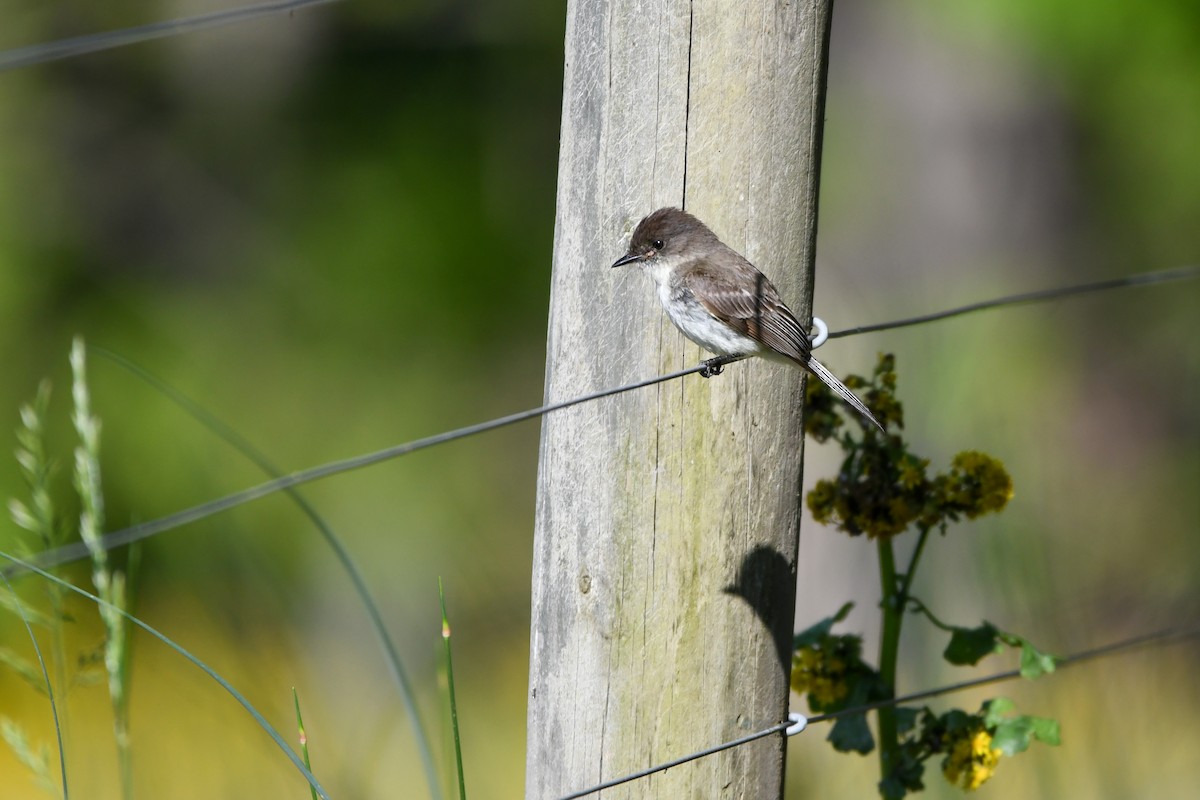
{"points": [[135, 533], [109, 40], [81, 45], [1166, 636]]}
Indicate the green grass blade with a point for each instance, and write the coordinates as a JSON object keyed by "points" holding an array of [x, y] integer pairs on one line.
{"points": [[255, 456], [62, 758], [207, 670], [462, 786], [303, 738]]}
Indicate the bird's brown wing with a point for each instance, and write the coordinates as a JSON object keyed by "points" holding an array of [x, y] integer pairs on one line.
{"points": [[750, 304]]}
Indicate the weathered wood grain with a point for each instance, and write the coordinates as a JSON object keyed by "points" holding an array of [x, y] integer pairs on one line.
{"points": [[667, 519]]}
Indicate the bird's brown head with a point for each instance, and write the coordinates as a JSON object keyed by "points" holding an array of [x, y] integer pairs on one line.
{"points": [[667, 232]]}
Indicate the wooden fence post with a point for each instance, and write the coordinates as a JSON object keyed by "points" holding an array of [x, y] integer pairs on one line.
{"points": [[668, 518]]}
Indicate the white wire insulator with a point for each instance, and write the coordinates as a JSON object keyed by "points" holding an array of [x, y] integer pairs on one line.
{"points": [[822, 332]]}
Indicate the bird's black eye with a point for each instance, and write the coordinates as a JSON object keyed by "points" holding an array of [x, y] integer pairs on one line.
{"points": [[657, 244]]}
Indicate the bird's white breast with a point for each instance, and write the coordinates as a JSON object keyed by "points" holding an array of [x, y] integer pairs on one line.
{"points": [[694, 320]]}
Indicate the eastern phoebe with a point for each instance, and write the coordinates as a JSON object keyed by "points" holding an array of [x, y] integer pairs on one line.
{"points": [[719, 300]]}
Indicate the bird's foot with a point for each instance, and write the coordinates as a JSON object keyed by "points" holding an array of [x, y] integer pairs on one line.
{"points": [[712, 366]]}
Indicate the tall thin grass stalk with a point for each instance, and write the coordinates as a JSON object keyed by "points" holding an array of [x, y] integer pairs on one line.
{"points": [[24, 753], [38, 518], [458, 760], [303, 738], [250, 452], [110, 585], [203, 667]]}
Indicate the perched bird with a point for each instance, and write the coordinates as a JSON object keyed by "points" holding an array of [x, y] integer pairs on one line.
{"points": [[720, 300]]}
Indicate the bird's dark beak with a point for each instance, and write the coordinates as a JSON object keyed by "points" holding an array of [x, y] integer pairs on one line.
{"points": [[628, 258]]}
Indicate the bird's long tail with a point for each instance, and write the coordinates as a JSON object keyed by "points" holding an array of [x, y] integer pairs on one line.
{"points": [[839, 388]]}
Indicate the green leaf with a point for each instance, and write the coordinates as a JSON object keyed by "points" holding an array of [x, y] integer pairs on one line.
{"points": [[953, 722], [995, 709], [906, 719], [892, 788], [851, 734], [812, 635], [1013, 735], [968, 645], [1046, 731], [1035, 663], [905, 777]]}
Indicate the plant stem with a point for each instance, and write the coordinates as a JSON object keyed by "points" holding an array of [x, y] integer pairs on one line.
{"points": [[912, 568], [458, 761], [889, 647], [303, 739]]}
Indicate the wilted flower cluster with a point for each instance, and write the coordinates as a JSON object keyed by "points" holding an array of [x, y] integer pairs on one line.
{"points": [[977, 484], [821, 673], [821, 412], [882, 488]]}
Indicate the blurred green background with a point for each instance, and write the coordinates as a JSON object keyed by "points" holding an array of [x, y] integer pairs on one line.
{"points": [[333, 230]]}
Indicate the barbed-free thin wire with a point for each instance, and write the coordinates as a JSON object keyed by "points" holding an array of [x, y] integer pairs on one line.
{"points": [[136, 533], [1143, 279], [391, 654], [95, 42], [1166, 636]]}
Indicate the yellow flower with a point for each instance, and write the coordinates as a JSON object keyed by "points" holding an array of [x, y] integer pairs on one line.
{"points": [[822, 500], [978, 484], [886, 407], [819, 673], [972, 759], [911, 472]]}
